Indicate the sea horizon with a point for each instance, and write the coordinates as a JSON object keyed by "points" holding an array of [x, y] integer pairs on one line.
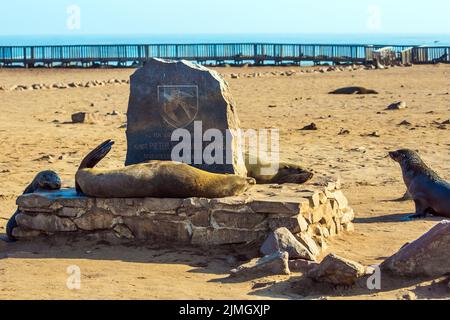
{"points": [[319, 38]]}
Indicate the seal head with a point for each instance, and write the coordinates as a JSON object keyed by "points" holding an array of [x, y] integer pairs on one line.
{"points": [[46, 181]]}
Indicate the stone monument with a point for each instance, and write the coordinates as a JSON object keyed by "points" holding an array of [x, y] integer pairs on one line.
{"points": [[174, 99]]}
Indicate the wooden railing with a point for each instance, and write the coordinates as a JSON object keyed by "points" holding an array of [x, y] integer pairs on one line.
{"points": [[258, 53]]}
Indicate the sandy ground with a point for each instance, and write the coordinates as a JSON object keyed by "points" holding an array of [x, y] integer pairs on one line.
{"points": [[33, 128]]}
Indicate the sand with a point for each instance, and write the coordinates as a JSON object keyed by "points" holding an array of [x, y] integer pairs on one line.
{"points": [[34, 136]]}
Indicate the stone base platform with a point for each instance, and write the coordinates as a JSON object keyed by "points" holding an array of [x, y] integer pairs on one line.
{"points": [[319, 211]]}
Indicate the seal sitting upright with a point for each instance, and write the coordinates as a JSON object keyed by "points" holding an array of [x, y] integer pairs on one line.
{"points": [[154, 179], [429, 191], [47, 181]]}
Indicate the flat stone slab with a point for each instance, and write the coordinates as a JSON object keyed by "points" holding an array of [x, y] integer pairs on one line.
{"points": [[307, 211]]}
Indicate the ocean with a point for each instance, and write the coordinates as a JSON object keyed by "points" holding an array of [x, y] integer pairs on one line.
{"points": [[368, 39]]}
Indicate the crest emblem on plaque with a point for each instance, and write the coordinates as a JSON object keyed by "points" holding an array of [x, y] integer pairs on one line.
{"points": [[178, 104]]}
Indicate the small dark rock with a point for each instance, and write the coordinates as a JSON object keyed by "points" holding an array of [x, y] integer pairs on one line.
{"points": [[311, 127]]}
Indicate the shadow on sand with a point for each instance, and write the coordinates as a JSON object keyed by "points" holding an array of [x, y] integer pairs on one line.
{"points": [[394, 218], [215, 262]]}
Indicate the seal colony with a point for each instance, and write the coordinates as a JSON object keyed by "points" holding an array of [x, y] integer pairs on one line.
{"points": [[154, 179], [44, 181], [429, 191]]}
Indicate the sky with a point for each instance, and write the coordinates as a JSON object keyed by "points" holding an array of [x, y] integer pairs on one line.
{"points": [[97, 17]]}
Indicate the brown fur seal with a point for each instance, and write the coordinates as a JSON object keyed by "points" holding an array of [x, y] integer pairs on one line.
{"points": [[46, 180], [157, 179], [429, 191], [354, 90], [284, 173]]}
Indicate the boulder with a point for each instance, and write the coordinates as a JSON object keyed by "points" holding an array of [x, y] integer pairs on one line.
{"points": [[338, 271], [84, 117], [428, 256], [274, 264], [302, 266], [283, 240], [46, 223], [308, 242], [179, 97], [397, 106], [96, 219]]}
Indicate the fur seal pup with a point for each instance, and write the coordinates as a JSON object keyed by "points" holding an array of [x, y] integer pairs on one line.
{"points": [[354, 90], [283, 172], [157, 179], [47, 181], [429, 191]]}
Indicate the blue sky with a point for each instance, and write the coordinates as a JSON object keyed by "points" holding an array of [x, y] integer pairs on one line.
{"points": [[50, 17]]}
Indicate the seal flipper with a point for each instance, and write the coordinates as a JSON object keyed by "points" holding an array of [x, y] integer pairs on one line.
{"points": [[10, 226], [94, 157]]}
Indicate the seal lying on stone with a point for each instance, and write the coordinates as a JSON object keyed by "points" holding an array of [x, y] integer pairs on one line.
{"points": [[266, 172], [429, 191], [354, 90], [46, 181], [154, 179]]}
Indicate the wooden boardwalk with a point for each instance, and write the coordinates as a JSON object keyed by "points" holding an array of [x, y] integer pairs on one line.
{"points": [[258, 53]]}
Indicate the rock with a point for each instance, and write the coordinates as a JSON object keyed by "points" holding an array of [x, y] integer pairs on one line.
{"points": [[48, 158], [348, 227], [84, 117], [123, 232], [344, 132], [234, 76], [337, 271], [157, 108], [308, 242], [374, 134], [283, 240], [274, 264], [397, 106], [359, 149], [295, 225], [45, 223], [409, 296], [60, 86], [97, 219], [20, 233], [428, 256], [348, 215], [311, 127], [301, 265], [405, 123]]}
